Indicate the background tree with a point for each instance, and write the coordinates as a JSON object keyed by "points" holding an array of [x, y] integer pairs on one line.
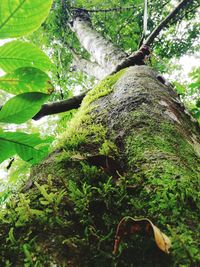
{"points": [[131, 150]]}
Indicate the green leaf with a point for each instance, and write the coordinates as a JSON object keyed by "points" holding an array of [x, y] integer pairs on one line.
{"points": [[198, 103], [30, 147], [180, 89], [194, 87], [196, 113], [11, 236], [27, 253], [7, 150], [18, 54], [22, 107], [4, 195], [18, 18], [26, 80]]}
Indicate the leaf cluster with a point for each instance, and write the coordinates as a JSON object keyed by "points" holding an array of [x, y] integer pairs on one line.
{"points": [[27, 77]]}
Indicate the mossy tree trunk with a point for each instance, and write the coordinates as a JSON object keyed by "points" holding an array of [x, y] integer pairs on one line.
{"points": [[130, 150]]}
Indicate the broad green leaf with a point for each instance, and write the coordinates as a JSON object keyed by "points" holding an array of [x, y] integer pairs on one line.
{"points": [[30, 147], [18, 18], [18, 54], [22, 107], [7, 150], [26, 80]]}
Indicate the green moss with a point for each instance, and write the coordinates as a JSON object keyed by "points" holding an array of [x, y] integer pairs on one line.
{"points": [[81, 128], [108, 148], [105, 87], [150, 137], [163, 169]]}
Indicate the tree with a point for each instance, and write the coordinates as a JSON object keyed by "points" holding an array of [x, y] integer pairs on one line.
{"points": [[131, 151]]}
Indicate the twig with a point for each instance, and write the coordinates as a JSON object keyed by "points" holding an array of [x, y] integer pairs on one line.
{"points": [[186, 13], [117, 9]]}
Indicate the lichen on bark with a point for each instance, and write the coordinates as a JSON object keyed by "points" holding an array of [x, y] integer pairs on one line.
{"points": [[69, 216]]}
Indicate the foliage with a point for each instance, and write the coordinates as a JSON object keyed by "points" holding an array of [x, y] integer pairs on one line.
{"points": [[194, 89], [18, 54], [25, 65], [190, 93], [27, 79], [24, 145], [20, 18], [22, 107]]}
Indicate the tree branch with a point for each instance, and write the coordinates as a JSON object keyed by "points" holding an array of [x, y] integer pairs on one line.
{"points": [[137, 58], [164, 22], [115, 9], [61, 106], [186, 13], [90, 68]]}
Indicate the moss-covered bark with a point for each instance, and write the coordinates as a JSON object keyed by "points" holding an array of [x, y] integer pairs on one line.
{"points": [[130, 150]]}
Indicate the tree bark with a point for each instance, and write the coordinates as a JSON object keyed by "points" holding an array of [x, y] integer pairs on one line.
{"points": [[92, 69], [131, 150]]}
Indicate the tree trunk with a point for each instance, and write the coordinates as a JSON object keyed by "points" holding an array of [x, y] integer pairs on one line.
{"points": [[103, 51], [130, 150]]}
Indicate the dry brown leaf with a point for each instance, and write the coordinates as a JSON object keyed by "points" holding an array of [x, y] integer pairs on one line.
{"points": [[129, 225], [162, 241]]}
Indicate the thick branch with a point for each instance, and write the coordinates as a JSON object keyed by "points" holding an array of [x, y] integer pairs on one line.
{"points": [[136, 58], [164, 22], [58, 107], [103, 51], [91, 68], [88, 67]]}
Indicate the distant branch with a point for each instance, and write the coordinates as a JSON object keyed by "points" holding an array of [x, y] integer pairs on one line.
{"points": [[58, 107], [117, 9], [165, 22], [187, 12]]}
